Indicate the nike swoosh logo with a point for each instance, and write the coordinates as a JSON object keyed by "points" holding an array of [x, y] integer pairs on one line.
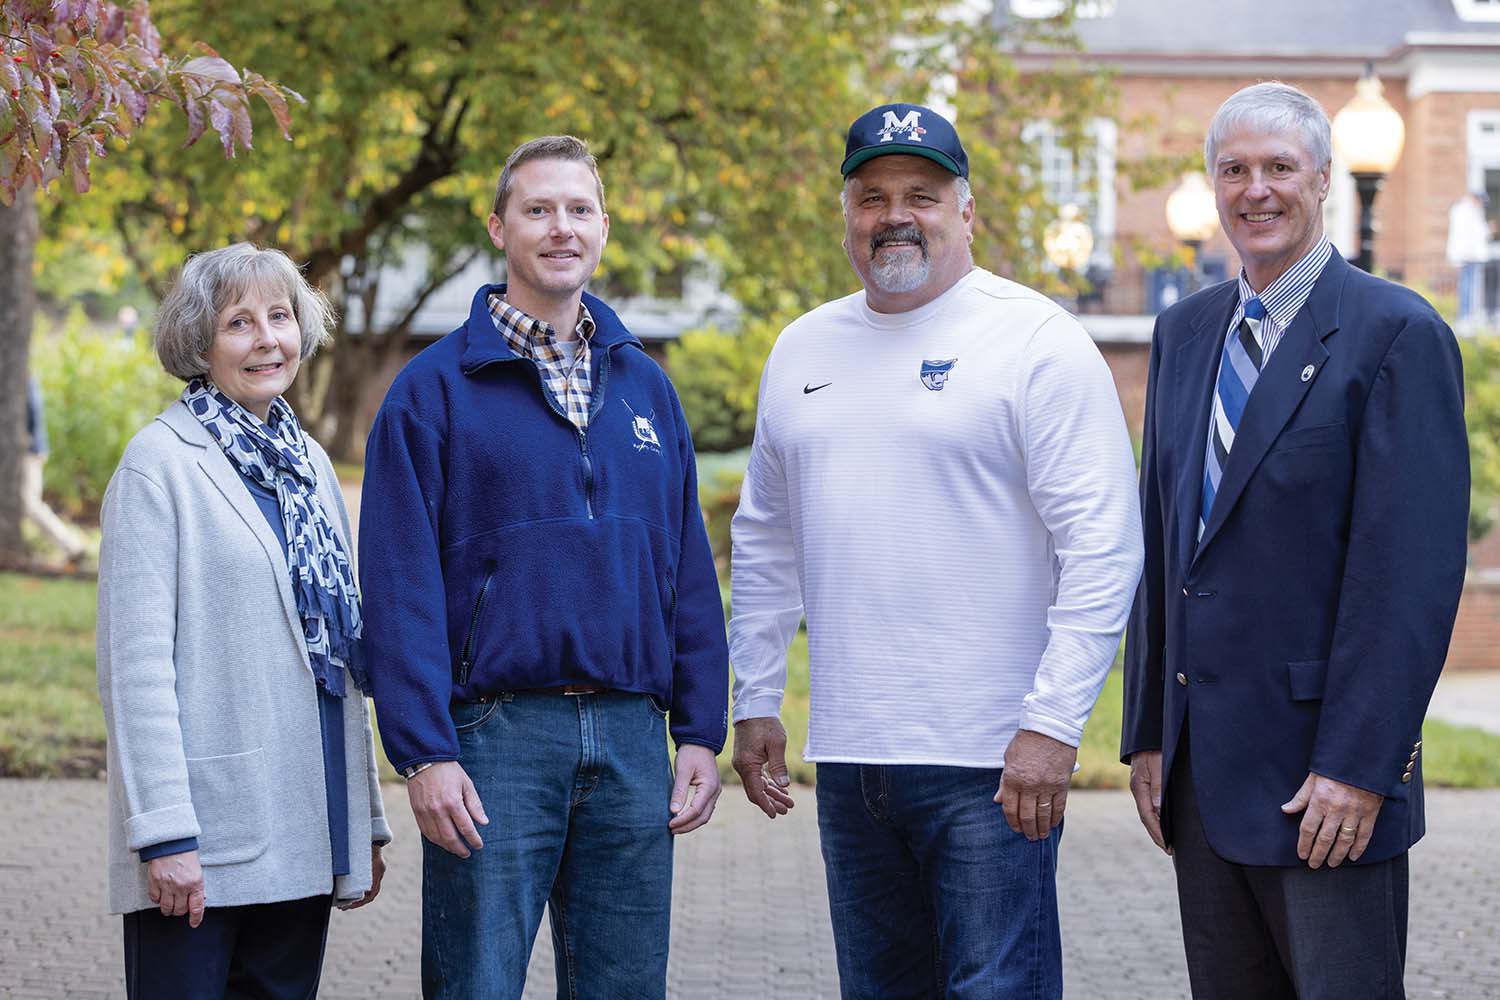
{"points": [[814, 388]]}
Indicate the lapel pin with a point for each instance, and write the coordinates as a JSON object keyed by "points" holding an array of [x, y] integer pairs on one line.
{"points": [[1307, 373]]}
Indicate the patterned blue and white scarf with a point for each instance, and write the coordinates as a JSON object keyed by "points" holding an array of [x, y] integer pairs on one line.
{"points": [[274, 454]]}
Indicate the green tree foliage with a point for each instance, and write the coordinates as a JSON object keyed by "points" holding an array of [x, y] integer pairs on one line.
{"points": [[79, 75], [721, 498], [1482, 411], [719, 127], [78, 78], [99, 389], [717, 374]]}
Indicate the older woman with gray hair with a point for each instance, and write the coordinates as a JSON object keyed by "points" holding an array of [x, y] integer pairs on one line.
{"points": [[242, 782]]}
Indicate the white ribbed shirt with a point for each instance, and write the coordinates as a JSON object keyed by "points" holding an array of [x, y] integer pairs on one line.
{"points": [[965, 556]]}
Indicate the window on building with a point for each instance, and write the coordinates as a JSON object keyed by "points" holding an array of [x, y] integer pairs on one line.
{"points": [[1341, 209], [1052, 8], [1086, 180], [1478, 10], [1483, 174]]}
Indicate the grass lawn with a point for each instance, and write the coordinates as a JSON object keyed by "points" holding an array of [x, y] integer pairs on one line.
{"points": [[1098, 757], [1453, 756], [51, 724], [50, 721]]}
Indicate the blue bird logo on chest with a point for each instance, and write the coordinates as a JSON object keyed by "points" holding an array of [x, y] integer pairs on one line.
{"points": [[935, 373]]}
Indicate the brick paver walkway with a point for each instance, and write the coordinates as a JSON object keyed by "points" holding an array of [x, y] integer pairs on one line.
{"points": [[750, 919]]}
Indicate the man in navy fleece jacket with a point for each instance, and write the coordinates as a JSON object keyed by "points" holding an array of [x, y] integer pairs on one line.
{"points": [[540, 600]]}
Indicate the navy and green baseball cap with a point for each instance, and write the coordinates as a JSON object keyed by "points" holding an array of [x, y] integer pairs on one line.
{"points": [[909, 129]]}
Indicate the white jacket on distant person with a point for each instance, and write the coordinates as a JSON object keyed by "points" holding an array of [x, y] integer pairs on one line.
{"points": [[1468, 232]]}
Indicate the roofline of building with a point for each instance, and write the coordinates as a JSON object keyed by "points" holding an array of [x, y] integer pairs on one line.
{"points": [[1394, 63], [1235, 65], [1450, 40]]}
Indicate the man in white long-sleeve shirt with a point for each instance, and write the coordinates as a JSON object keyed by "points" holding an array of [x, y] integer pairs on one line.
{"points": [[941, 481]]}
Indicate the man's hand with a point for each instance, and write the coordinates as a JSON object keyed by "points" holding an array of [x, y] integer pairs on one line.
{"points": [[1145, 785], [446, 806], [760, 761], [175, 883], [698, 773], [1338, 822], [1034, 785], [377, 872]]}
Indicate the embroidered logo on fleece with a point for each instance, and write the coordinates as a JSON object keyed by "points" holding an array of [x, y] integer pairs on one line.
{"points": [[935, 373], [645, 433]]}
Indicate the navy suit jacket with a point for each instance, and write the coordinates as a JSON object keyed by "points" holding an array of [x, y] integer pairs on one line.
{"points": [[1306, 630]]}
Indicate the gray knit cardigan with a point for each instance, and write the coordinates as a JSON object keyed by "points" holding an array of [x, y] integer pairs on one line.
{"points": [[208, 696]]}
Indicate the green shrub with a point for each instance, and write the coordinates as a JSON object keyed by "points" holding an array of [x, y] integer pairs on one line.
{"points": [[99, 390], [720, 500], [1482, 411], [719, 477], [717, 375]]}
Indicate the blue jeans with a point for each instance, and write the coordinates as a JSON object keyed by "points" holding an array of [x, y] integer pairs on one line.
{"points": [[577, 789], [931, 893], [1471, 291]]}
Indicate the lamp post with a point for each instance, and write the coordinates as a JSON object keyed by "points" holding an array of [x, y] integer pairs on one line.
{"points": [[1368, 134], [1068, 240], [1192, 216]]}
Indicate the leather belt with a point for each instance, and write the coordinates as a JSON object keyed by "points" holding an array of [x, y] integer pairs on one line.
{"points": [[570, 689]]}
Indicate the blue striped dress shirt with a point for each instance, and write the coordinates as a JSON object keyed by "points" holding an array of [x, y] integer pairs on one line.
{"points": [[1283, 299]]}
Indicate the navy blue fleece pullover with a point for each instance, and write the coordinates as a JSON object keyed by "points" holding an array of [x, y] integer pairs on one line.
{"points": [[501, 549]]}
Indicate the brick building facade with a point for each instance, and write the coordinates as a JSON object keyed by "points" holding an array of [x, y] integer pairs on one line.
{"points": [[1439, 62]]}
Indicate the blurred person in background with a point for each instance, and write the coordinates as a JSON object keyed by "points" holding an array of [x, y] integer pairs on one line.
{"points": [[33, 465], [1469, 251], [243, 799]]}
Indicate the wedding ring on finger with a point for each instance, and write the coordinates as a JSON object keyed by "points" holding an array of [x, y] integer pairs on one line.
{"points": [[1348, 831]]}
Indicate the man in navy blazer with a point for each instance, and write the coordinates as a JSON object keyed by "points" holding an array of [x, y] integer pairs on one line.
{"points": [[1304, 486]]}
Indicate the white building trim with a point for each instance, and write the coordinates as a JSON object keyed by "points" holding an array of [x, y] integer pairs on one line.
{"points": [[1341, 209], [1083, 9], [1119, 329], [1483, 146], [1453, 70], [1099, 211], [1212, 64], [1477, 10]]}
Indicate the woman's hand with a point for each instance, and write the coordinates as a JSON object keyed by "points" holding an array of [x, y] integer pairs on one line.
{"points": [[175, 883], [377, 872]]}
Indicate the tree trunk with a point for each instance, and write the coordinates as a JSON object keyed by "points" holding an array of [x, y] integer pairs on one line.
{"points": [[18, 227], [354, 363]]}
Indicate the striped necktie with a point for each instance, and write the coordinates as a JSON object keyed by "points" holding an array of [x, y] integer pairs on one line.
{"points": [[1238, 370]]}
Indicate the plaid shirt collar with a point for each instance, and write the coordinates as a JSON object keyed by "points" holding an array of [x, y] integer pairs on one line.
{"points": [[570, 385], [524, 333]]}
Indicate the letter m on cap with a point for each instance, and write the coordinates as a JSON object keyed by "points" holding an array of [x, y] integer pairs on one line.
{"points": [[910, 125]]}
